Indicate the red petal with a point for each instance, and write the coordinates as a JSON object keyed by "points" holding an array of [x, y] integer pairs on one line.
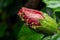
{"points": [[31, 16]]}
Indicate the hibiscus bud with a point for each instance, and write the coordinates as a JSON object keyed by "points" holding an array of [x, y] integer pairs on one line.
{"points": [[48, 24], [38, 20], [30, 16]]}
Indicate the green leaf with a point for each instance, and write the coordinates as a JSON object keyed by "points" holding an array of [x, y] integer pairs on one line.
{"points": [[47, 38], [53, 37], [56, 37], [57, 9], [27, 34], [55, 4]]}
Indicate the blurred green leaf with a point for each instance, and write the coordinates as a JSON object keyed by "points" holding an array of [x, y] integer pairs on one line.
{"points": [[47, 38], [55, 4], [56, 37], [3, 27], [27, 34], [53, 37]]}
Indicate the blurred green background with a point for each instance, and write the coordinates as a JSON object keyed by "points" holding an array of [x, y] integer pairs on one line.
{"points": [[12, 28]]}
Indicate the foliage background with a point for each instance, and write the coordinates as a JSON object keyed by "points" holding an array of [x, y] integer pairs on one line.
{"points": [[12, 28]]}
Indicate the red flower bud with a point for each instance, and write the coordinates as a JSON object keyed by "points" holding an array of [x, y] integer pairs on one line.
{"points": [[30, 16]]}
